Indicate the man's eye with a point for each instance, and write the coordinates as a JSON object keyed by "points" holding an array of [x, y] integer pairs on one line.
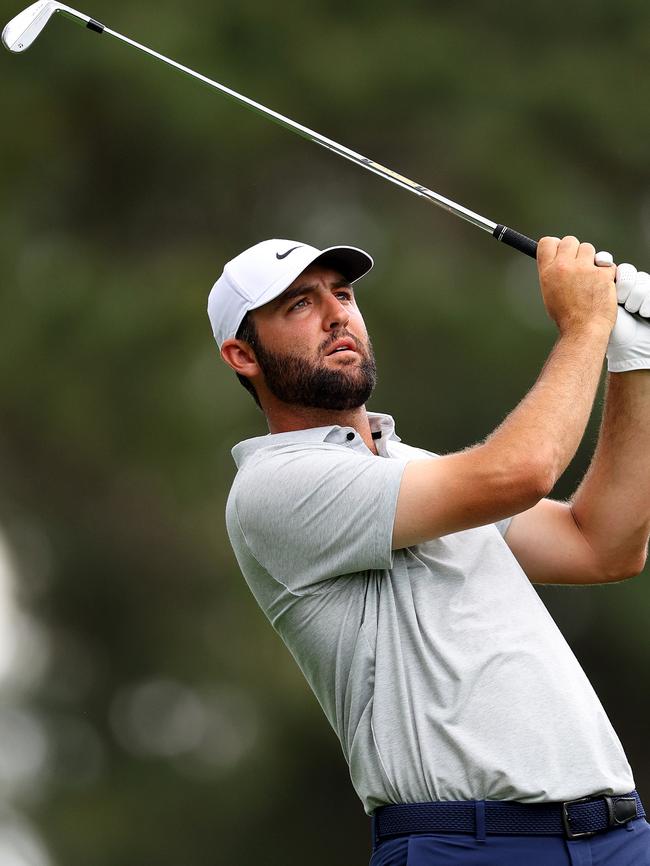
{"points": [[298, 303], [346, 295]]}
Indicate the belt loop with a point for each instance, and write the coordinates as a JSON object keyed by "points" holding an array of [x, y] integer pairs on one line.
{"points": [[479, 812]]}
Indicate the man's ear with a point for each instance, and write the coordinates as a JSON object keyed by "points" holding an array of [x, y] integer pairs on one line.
{"points": [[240, 357]]}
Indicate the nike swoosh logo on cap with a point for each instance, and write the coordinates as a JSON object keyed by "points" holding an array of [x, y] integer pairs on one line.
{"points": [[284, 255]]}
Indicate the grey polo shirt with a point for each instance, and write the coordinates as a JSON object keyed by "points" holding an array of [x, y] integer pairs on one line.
{"points": [[437, 665]]}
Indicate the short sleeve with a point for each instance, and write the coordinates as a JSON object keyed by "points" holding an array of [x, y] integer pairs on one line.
{"points": [[502, 525], [310, 514]]}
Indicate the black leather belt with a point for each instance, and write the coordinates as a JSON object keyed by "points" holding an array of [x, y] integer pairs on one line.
{"points": [[574, 819]]}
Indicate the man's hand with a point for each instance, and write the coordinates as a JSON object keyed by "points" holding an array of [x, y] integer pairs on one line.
{"points": [[577, 293], [629, 342]]}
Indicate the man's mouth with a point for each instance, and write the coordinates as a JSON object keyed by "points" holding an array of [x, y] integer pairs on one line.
{"points": [[345, 345]]}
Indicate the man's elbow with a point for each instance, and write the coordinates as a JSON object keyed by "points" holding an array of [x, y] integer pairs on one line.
{"points": [[623, 568], [537, 480], [517, 480]]}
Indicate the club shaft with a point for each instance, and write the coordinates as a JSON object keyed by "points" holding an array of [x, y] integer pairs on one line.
{"points": [[305, 132]]}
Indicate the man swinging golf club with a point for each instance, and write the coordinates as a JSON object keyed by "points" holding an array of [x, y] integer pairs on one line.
{"points": [[400, 580]]}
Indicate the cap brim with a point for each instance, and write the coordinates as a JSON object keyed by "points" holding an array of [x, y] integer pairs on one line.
{"points": [[351, 262]]}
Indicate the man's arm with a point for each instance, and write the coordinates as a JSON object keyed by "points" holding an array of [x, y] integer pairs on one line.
{"points": [[602, 534], [521, 461]]}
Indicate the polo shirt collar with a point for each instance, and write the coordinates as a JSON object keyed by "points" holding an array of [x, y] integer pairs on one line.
{"points": [[381, 425]]}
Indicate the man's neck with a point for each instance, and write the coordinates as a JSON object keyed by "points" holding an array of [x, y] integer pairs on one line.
{"points": [[283, 419]]}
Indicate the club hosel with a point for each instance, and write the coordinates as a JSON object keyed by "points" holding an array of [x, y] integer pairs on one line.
{"points": [[80, 18]]}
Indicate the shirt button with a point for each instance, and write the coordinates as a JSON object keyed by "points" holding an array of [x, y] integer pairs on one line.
{"points": [[350, 437]]}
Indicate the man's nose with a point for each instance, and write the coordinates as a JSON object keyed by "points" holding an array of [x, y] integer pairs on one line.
{"points": [[335, 315]]}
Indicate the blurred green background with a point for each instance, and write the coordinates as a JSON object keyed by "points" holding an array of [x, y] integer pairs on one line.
{"points": [[148, 712]]}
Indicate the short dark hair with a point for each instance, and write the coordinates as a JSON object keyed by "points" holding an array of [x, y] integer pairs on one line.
{"points": [[247, 332]]}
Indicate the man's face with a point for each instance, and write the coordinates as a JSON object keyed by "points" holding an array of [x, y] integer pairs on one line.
{"points": [[313, 348]]}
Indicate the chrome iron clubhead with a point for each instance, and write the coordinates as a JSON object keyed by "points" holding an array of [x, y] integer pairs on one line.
{"points": [[26, 27]]}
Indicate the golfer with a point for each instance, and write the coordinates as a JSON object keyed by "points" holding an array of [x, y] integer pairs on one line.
{"points": [[400, 580]]}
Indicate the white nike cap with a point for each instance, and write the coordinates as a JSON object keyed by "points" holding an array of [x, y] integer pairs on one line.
{"points": [[261, 273]]}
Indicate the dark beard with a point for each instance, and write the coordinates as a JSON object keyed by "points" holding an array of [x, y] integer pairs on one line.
{"points": [[295, 381]]}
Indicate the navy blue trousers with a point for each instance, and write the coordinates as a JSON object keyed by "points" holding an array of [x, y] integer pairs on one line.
{"points": [[622, 846]]}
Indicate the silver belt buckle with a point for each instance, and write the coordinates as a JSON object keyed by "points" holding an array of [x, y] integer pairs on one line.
{"points": [[573, 834]]}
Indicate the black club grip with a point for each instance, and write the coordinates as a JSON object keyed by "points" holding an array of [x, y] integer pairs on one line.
{"points": [[527, 245], [514, 239]]}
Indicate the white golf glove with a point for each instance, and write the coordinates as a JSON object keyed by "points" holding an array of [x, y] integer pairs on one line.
{"points": [[629, 342]]}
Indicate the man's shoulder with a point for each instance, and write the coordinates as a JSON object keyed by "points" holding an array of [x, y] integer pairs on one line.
{"points": [[274, 469], [275, 457], [277, 468]]}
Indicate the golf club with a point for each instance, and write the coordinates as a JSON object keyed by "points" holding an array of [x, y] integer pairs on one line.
{"points": [[25, 28]]}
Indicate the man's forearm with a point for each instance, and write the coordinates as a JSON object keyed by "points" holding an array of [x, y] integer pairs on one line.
{"points": [[612, 504], [548, 424]]}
